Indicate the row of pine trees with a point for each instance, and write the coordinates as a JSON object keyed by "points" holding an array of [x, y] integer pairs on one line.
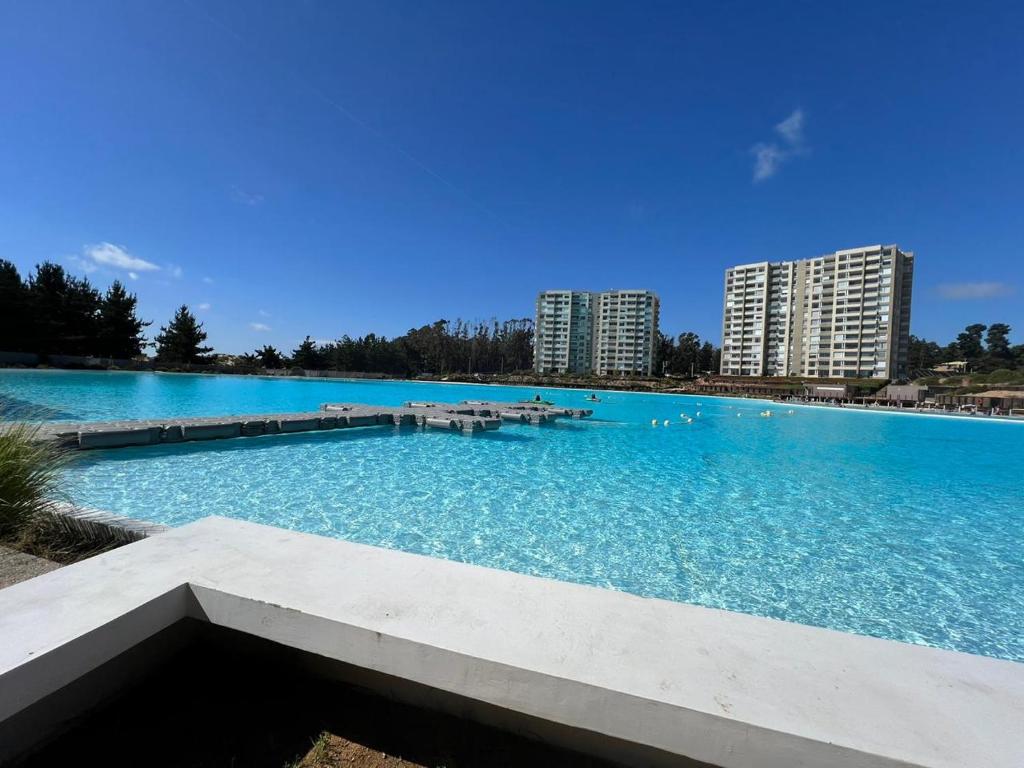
{"points": [[54, 313], [442, 347], [686, 355]]}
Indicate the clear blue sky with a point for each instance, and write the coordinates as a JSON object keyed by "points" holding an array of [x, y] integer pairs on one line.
{"points": [[324, 167]]}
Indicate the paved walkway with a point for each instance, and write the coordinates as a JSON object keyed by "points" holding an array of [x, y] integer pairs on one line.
{"points": [[16, 566]]}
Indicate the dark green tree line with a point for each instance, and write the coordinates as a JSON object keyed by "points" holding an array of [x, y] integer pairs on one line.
{"points": [[440, 348], [119, 328], [309, 356], [181, 340], [53, 312], [685, 355], [986, 348], [268, 357]]}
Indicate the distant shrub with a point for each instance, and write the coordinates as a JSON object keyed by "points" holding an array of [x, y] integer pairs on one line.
{"points": [[1005, 375], [973, 389]]}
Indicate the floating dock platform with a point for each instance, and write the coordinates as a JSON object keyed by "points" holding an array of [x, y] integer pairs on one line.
{"points": [[439, 416], [520, 412], [469, 417]]}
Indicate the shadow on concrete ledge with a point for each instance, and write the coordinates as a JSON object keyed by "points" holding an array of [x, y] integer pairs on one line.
{"points": [[226, 699]]}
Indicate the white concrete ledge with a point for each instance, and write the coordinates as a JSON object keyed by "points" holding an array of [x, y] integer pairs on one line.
{"points": [[672, 679]]}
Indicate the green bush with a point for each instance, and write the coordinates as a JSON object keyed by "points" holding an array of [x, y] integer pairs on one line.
{"points": [[1005, 376], [972, 389], [30, 477]]}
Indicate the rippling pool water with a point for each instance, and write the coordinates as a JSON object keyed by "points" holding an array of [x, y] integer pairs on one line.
{"points": [[894, 525]]}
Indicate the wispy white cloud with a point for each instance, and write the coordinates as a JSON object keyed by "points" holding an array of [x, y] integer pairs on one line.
{"points": [[968, 291], [208, 280], [767, 159], [204, 306], [133, 275], [118, 257], [259, 326], [175, 270], [83, 264], [264, 313], [792, 128], [769, 156], [240, 195]]}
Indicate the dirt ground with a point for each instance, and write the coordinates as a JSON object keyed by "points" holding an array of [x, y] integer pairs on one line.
{"points": [[17, 566], [331, 750]]}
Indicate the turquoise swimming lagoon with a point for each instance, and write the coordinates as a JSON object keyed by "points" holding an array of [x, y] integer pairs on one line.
{"points": [[893, 525]]}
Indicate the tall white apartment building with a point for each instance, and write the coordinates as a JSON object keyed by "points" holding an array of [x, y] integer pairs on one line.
{"points": [[611, 332], [563, 333], [844, 314], [625, 331]]}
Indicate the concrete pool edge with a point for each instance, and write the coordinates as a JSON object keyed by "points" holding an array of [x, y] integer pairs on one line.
{"points": [[722, 688], [91, 524]]}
